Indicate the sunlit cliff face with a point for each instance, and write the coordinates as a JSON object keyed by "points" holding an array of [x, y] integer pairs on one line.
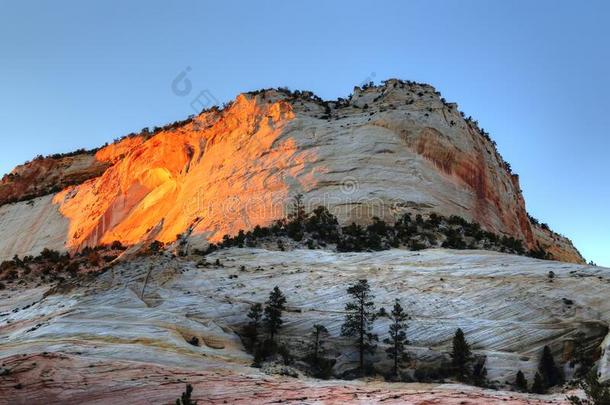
{"points": [[390, 149], [197, 176]]}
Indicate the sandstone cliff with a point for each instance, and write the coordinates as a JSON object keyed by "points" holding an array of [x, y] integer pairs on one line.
{"points": [[388, 149]]}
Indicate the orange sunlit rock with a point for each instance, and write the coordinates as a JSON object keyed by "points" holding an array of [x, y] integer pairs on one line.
{"points": [[196, 174]]}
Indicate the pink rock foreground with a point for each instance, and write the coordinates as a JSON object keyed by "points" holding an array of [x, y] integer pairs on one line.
{"points": [[61, 379]]}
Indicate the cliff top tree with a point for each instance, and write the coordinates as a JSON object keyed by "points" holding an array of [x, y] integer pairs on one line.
{"points": [[274, 307], [359, 319], [398, 337], [461, 356]]}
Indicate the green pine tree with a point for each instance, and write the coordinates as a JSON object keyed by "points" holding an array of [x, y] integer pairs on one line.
{"points": [[317, 344], [185, 398], [538, 385], [296, 218], [255, 315], [398, 337], [274, 307], [548, 370], [521, 382], [321, 367], [360, 318], [461, 356]]}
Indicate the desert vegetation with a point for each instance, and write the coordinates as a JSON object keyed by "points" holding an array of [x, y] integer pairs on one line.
{"points": [[320, 229], [262, 337], [595, 392], [51, 266]]}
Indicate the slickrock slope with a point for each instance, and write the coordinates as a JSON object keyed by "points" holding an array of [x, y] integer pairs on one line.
{"points": [[105, 341], [29, 227], [389, 149]]}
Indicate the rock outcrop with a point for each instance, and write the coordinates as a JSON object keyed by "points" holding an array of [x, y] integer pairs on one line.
{"points": [[44, 176], [388, 149]]}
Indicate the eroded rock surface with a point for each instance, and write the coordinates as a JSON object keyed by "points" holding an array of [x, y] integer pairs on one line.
{"points": [[125, 333]]}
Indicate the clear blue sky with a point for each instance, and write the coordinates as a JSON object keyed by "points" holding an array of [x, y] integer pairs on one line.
{"points": [[534, 73]]}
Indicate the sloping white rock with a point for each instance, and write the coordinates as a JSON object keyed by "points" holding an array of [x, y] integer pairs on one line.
{"points": [[506, 304], [28, 227]]}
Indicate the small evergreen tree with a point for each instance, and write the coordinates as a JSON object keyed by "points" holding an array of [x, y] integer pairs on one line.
{"points": [[298, 209], [461, 356], [360, 318], [596, 393], [274, 307], [538, 385], [317, 344], [398, 337], [185, 398], [323, 225], [321, 367], [548, 370], [296, 218], [255, 315], [521, 382]]}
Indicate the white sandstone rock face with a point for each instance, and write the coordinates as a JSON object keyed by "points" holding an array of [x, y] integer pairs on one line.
{"points": [[27, 227], [44, 176], [390, 149], [126, 340]]}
